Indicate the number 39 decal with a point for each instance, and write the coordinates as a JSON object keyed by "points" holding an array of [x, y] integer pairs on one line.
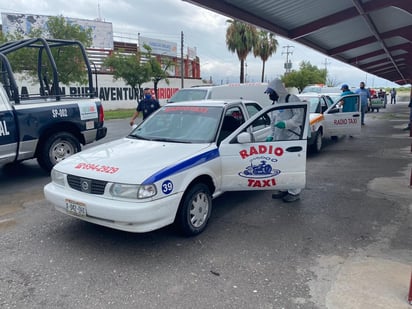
{"points": [[167, 187]]}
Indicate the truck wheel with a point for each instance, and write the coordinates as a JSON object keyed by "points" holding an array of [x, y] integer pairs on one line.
{"points": [[317, 145], [194, 210], [56, 148]]}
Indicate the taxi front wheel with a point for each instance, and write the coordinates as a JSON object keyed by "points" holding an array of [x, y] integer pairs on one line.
{"points": [[194, 210]]}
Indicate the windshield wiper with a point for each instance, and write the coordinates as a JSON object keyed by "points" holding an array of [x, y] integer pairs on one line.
{"points": [[138, 137], [168, 140]]}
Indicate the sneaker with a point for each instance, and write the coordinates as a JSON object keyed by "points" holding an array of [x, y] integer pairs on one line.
{"points": [[363, 124], [279, 194], [407, 128], [288, 198]]}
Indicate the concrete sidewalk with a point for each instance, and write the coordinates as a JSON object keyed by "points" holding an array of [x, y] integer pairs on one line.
{"points": [[377, 276]]}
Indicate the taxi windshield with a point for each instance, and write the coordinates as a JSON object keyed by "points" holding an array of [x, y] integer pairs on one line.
{"points": [[181, 124]]}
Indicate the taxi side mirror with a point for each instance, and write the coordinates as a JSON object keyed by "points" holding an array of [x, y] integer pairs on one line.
{"points": [[244, 138], [334, 110]]}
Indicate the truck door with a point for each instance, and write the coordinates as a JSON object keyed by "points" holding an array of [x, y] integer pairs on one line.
{"points": [[8, 132], [340, 122], [250, 162]]}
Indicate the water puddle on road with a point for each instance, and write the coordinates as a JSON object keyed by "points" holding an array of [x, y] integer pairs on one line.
{"points": [[14, 203]]}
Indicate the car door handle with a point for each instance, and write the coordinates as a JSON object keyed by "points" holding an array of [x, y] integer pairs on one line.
{"points": [[294, 149]]}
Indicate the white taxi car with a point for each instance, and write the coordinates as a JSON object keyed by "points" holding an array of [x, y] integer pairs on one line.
{"points": [[170, 167], [328, 119]]}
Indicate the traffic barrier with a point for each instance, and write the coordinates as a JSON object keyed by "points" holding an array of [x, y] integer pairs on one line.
{"points": [[410, 180], [410, 292]]}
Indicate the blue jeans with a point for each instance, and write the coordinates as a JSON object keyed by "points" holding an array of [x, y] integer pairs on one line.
{"points": [[363, 110]]}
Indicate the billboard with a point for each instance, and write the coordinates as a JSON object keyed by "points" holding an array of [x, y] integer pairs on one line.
{"points": [[191, 53], [159, 47], [102, 32]]}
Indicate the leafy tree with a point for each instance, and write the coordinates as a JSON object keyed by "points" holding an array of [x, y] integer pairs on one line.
{"points": [[307, 74], [68, 59], [129, 68], [240, 39], [158, 70], [265, 47], [59, 28]]}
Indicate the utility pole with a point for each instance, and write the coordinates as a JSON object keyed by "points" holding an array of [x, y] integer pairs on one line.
{"points": [[288, 63], [182, 77], [245, 72], [326, 63]]}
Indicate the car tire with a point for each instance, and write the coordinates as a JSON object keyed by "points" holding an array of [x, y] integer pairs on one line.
{"points": [[194, 210], [56, 148], [317, 145]]}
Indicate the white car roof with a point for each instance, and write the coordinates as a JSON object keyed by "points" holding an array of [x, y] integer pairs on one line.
{"points": [[210, 103]]}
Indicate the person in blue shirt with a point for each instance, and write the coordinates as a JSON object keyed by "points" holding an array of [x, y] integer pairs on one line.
{"points": [[365, 97], [146, 106], [349, 104]]}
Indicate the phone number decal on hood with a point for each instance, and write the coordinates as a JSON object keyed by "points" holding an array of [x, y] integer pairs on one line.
{"points": [[97, 168]]}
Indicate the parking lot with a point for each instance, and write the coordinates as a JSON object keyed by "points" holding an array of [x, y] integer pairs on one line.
{"points": [[346, 244]]}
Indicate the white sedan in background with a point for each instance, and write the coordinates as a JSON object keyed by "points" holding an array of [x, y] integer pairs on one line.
{"points": [[327, 118], [170, 167]]}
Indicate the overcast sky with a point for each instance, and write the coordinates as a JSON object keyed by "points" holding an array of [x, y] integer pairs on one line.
{"points": [[203, 29]]}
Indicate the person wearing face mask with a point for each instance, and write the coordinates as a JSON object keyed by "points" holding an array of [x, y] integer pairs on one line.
{"points": [[365, 97], [286, 125], [147, 106]]}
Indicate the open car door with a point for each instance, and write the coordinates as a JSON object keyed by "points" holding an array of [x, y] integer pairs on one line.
{"points": [[339, 122], [249, 162]]}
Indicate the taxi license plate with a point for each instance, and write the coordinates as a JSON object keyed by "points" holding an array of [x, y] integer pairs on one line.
{"points": [[76, 208]]}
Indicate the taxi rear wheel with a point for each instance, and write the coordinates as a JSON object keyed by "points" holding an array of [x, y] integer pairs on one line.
{"points": [[194, 210]]}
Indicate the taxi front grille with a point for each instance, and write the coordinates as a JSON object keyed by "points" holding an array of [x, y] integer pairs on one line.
{"points": [[86, 185]]}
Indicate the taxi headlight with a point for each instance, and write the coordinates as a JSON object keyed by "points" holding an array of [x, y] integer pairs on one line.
{"points": [[132, 191], [57, 177]]}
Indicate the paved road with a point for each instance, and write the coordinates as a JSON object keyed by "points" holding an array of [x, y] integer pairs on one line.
{"points": [[346, 244]]}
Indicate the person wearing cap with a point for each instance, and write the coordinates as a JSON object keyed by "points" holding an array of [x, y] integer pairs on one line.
{"points": [[349, 104], [286, 125], [147, 106], [365, 97]]}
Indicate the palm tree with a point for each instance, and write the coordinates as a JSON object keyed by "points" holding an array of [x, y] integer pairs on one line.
{"points": [[241, 38], [265, 47]]}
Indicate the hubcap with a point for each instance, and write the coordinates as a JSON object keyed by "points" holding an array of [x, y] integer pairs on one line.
{"points": [[61, 151], [199, 210]]}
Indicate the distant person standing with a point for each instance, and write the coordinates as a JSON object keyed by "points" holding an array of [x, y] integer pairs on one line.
{"points": [[410, 116], [365, 97], [393, 96], [147, 106]]}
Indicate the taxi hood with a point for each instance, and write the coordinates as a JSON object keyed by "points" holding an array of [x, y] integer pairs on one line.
{"points": [[130, 160]]}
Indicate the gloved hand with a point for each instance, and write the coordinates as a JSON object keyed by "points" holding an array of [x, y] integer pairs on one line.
{"points": [[280, 125], [269, 138]]}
